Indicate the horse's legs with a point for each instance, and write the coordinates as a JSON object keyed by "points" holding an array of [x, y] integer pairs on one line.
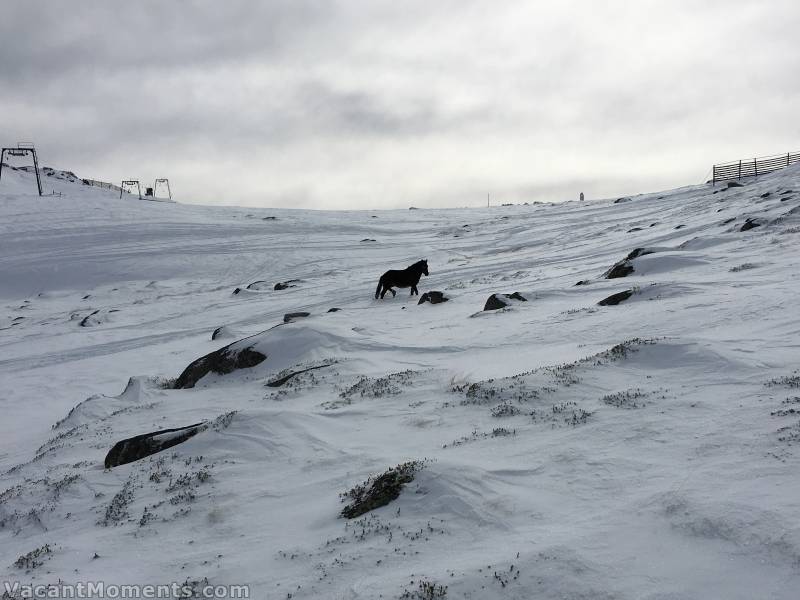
{"points": [[414, 290], [383, 291], [393, 292]]}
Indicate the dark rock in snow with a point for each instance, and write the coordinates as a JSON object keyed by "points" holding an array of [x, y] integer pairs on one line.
{"points": [[766, 194], [258, 285], [733, 184], [368, 240], [621, 269], [652, 224], [637, 252], [433, 297], [632, 229], [144, 445], [379, 491], [222, 361], [615, 299], [281, 380], [236, 291], [87, 321], [621, 200], [269, 219], [750, 224], [220, 332], [285, 285], [731, 220], [679, 226], [497, 301], [583, 282], [295, 315], [334, 309]]}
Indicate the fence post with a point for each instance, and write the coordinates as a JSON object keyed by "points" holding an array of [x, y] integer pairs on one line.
{"points": [[740, 170], [787, 159], [755, 165], [713, 175]]}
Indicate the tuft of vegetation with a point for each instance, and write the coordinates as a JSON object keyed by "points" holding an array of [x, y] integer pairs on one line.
{"points": [[33, 559], [504, 409], [379, 491], [426, 590], [792, 381], [743, 267], [625, 399], [117, 510]]}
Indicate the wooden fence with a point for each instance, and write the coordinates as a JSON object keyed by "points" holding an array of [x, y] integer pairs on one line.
{"points": [[754, 167]]}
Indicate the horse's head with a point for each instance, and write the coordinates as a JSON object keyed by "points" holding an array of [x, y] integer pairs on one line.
{"points": [[423, 264]]}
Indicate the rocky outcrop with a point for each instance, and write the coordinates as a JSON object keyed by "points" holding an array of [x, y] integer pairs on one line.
{"points": [[292, 316], [751, 224], [624, 267], [223, 361], [615, 299], [433, 297], [141, 446], [497, 301]]}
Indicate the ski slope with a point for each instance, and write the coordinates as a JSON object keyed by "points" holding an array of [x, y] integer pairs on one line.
{"points": [[647, 450]]}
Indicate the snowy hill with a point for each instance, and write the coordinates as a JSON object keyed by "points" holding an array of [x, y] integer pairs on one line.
{"points": [[647, 449]]}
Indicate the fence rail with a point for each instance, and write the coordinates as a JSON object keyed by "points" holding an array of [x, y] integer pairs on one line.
{"points": [[754, 167]]}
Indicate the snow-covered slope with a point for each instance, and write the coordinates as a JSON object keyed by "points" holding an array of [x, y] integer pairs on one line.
{"points": [[643, 450]]}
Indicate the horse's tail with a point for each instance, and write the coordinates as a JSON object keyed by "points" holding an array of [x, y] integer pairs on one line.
{"points": [[378, 289]]}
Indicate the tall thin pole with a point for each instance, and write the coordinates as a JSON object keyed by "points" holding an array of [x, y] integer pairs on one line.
{"points": [[487, 200], [36, 169]]}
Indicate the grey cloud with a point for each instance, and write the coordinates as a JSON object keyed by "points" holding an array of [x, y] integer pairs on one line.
{"points": [[390, 104]]}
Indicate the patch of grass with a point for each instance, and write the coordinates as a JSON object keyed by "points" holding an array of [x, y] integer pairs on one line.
{"points": [[743, 267], [34, 558], [379, 490], [792, 381], [117, 510], [625, 399], [426, 590]]}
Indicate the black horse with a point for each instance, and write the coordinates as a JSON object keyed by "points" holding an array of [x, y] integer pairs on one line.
{"points": [[402, 278]]}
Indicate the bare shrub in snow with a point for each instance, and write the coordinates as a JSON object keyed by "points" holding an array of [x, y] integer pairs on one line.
{"points": [[379, 491]]}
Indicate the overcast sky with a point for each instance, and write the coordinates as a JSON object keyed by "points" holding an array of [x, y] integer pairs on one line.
{"points": [[379, 104]]}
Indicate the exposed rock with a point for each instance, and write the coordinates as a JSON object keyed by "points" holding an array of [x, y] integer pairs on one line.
{"points": [[433, 297], [368, 240], [144, 445], [236, 291], [733, 184], [221, 332], [632, 229], [653, 224], [637, 252], [222, 361], [679, 226], [281, 380], [258, 285], [295, 315], [269, 219], [621, 200], [334, 309], [87, 321], [497, 301], [378, 491], [750, 224], [615, 299], [583, 282], [622, 269], [285, 284], [766, 194]]}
